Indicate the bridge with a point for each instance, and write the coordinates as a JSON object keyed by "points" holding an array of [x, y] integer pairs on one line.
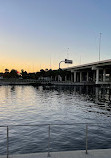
{"points": [[96, 73]]}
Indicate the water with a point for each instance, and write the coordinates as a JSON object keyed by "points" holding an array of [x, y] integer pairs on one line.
{"points": [[21, 105]]}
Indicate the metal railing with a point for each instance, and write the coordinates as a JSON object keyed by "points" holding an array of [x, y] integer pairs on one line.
{"points": [[49, 129]]}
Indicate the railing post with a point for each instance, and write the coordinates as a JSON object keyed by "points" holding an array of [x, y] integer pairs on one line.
{"points": [[86, 138], [49, 141], [7, 142]]}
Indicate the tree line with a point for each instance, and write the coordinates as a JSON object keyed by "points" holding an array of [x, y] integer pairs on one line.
{"points": [[37, 75]]}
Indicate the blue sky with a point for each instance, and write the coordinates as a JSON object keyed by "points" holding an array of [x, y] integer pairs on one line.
{"points": [[37, 34]]}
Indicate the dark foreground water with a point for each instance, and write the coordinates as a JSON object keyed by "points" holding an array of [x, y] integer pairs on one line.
{"points": [[20, 105]]}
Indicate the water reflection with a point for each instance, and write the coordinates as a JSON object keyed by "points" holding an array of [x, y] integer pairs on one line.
{"points": [[55, 105], [98, 95]]}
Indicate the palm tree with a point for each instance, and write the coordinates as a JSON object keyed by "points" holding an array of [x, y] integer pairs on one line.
{"points": [[6, 70]]}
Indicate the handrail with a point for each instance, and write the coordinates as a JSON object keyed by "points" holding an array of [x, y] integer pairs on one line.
{"points": [[49, 128], [46, 124]]}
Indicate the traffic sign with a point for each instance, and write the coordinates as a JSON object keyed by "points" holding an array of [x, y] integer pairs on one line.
{"points": [[67, 61]]}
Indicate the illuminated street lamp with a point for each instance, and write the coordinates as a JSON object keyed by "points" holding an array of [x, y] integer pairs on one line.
{"points": [[66, 61]]}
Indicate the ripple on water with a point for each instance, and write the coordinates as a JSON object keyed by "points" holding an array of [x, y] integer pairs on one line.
{"points": [[32, 105]]}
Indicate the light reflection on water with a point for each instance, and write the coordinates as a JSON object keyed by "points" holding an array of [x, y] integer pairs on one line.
{"points": [[56, 105]]}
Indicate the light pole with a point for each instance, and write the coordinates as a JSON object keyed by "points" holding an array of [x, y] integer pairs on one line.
{"points": [[60, 63], [66, 61], [100, 45]]}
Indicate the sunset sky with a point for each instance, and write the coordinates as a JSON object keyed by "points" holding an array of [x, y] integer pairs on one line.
{"points": [[36, 34]]}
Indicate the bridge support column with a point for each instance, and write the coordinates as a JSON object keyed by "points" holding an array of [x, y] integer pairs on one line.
{"points": [[94, 76], [71, 77], [80, 76], [74, 76], [87, 76], [97, 76], [104, 75]]}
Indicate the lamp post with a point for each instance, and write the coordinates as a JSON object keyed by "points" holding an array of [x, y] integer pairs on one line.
{"points": [[60, 63], [66, 61], [100, 45]]}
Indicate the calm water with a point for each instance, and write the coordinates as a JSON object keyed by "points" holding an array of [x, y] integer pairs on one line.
{"points": [[57, 105]]}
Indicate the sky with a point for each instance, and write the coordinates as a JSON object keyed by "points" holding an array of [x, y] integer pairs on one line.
{"points": [[38, 34]]}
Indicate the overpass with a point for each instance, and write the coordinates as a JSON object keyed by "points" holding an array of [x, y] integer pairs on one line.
{"points": [[92, 73]]}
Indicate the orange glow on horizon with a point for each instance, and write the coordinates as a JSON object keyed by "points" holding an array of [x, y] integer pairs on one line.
{"points": [[28, 67]]}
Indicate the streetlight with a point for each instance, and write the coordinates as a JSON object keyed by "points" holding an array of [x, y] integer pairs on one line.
{"points": [[100, 45], [66, 61]]}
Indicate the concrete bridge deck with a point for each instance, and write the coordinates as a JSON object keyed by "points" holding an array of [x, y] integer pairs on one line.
{"points": [[101, 153]]}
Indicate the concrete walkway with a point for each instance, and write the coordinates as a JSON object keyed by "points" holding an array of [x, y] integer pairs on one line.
{"points": [[102, 153]]}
